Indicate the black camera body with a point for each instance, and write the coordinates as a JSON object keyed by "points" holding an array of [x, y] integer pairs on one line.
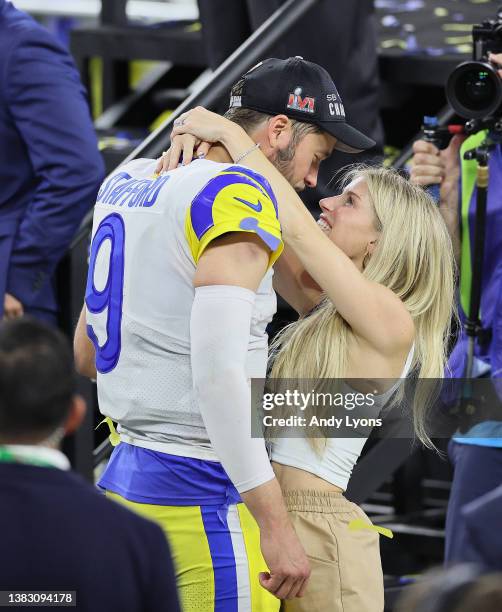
{"points": [[487, 37], [474, 88]]}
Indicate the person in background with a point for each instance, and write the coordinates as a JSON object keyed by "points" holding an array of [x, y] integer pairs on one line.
{"points": [[462, 588], [477, 454], [58, 532], [50, 166]]}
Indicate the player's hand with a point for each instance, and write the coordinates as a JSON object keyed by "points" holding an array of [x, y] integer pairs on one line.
{"points": [[431, 166], [289, 569], [184, 147], [13, 309]]}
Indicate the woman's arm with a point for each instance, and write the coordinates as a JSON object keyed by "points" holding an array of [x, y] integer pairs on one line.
{"points": [[374, 312], [294, 284]]}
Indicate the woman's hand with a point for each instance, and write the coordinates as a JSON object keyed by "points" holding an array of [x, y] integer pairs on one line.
{"points": [[184, 146], [204, 125], [200, 128]]}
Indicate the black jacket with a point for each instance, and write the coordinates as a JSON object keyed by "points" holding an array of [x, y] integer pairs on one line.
{"points": [[59, 533]]}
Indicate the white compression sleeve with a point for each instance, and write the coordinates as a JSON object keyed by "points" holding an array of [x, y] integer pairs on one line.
{"points": [[219, 332]]}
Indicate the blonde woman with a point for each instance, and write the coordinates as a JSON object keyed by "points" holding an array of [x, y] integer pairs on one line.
{"points": [[373, 282]]}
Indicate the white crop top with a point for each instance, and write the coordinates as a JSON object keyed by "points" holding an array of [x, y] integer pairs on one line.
{"points": [[336, 463]]}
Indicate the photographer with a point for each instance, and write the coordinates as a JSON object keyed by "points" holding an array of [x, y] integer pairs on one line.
{"points": [[477, 454]]}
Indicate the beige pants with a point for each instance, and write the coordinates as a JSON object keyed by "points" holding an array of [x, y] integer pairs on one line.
{"points": [[346, 567]]}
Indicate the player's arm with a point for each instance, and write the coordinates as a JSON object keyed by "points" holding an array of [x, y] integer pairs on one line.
{"points": [[227, 276], [83, 349]]}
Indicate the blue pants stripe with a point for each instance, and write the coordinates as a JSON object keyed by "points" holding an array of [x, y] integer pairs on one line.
{"points": [[222, 554]]}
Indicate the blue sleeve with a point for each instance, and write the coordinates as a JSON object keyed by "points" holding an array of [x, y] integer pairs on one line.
{"points": [[48, 105]]}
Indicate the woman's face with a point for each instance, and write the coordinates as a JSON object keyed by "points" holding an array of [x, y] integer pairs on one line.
{"points": [[350, 221]]}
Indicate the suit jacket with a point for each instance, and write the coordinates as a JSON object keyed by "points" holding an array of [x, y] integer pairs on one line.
{"points": [[484, 538], [50, 166], [59, 533]]}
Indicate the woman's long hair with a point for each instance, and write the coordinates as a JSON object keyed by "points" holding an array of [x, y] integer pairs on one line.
{"points": [[414, 259]]}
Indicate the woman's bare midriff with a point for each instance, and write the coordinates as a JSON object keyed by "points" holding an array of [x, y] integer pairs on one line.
{"points": [[294, 479]]}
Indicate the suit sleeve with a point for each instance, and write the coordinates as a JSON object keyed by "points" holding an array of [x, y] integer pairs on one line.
{"points": [[235, 200], [48, 106], [162, 594]]}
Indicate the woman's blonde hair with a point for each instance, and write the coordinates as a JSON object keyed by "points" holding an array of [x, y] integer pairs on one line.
{"points": [[414, 259]]}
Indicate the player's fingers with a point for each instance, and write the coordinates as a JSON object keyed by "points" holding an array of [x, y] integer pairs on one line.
{"points": [[295, 588], [271, 583], [203, 149], [303, 587], [284, 591]]}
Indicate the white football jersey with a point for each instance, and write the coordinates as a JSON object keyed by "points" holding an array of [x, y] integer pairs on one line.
{"points": [[148, 234]]}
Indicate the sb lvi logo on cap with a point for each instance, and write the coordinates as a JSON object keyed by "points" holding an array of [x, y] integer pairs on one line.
{"points": [[304, 105]]}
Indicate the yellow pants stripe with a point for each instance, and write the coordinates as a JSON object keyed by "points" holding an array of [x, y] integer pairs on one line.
{"points": [[260, 598]]}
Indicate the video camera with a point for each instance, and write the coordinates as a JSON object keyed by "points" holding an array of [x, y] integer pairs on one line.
{"points": [[474, 88]]}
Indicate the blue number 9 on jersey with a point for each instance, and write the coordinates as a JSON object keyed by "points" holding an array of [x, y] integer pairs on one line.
{"points": [[111, 228]]}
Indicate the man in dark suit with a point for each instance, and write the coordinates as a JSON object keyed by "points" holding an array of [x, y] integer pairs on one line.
{"points": [[50, 166], [57, 532]]}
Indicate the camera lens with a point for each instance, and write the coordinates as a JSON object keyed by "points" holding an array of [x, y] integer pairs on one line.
{"points": [[474, 90]]}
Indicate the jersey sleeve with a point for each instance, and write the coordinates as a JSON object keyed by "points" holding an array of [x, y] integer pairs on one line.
{"points": [[235, 200]]}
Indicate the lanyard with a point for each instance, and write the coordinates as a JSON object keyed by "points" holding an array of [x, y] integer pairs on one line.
{"points": [[7, 456]]}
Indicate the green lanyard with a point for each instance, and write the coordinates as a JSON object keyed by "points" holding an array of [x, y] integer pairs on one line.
{"points": [[7, 456]]}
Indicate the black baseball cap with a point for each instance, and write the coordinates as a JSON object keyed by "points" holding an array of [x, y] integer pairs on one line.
{"points": [[303, 91]]}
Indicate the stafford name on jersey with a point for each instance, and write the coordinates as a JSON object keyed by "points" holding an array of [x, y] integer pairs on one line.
{"points": [[121, 190]]}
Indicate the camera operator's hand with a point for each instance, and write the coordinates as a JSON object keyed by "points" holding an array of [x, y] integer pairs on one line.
{"points": [[496, 58], [430, 166]]}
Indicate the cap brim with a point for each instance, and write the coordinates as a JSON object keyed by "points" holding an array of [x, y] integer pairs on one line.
{"points": [[348, 139]]}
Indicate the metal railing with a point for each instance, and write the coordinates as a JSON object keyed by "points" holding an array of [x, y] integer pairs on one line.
{"points": [[242, 59]]}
